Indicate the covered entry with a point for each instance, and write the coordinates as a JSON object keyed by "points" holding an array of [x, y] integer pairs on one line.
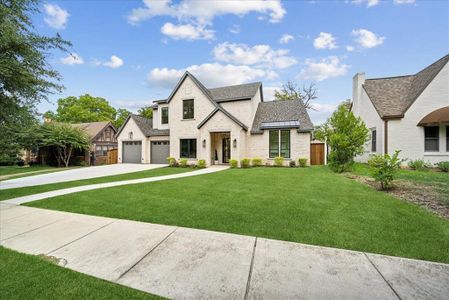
{"points": [[317, 154], [220, 147], [132, 152], [160, 150]]}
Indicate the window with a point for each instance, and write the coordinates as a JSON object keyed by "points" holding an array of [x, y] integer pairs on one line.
{"points": [[187, 109], [279, 143], [373, 140], [188, 148], [101, 150], [447, 138], [431, 139], [164, 115]]}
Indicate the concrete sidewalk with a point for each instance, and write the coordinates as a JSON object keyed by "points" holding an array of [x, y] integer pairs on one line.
{"points": [[40, 196], [185, 263]]}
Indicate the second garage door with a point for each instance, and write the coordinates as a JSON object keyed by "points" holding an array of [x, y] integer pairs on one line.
{"points": [[160, 150], [132, 152]]}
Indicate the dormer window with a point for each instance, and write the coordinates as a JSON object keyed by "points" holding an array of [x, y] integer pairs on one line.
{"points": [[188, 109], [164, 115]]}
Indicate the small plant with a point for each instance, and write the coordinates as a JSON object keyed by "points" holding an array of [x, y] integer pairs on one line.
{"points": [[418, 165], [233, 163], [267, 164], [443, 166], [245, 163], [302, 162], [385, 168], [183, 162], [256, 162], [279, 161], [292, 164], [172, 162], [201, 163]]}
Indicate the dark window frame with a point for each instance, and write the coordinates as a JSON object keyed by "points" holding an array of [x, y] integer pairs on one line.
{"points": [[374, 140], [430, 136], [189, 149], [164, 118], [447, 138], [188, 112], [281, 147]]}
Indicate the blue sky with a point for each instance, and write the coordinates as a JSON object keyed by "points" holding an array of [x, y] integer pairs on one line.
{"points": [[131, 52]]}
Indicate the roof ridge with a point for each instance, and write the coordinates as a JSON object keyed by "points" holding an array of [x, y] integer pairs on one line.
{"points": [[435, 62], [390, 77], [234, 85]]}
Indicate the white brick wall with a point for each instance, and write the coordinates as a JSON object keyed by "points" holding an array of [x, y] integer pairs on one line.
{"points": [[131, 126]]}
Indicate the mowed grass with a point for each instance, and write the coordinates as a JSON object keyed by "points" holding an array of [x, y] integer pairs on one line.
{"points": [[25, 276], [308, 205], [24, 191], [9, 170]]}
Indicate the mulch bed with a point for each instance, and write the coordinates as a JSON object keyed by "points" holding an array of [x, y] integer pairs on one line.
{"points": [[427, 196]]}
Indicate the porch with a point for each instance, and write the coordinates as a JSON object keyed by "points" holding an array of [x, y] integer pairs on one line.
{"points": [[220, 147]]}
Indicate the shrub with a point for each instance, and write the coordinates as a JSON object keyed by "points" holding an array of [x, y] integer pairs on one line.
{"points": [[234, 163], [201, 163], [384, 168], [443, 166], [302, 162], [245, 163], [172, 162], [183, 162], [267, 164], [418, 165], [256, 162], [292, 163], [279, 161]]}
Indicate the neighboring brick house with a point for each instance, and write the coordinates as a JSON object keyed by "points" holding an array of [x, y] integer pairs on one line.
{"points": [[216, 125], [408, 113]]}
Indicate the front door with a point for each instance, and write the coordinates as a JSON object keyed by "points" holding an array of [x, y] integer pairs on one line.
{"points": [[226, 150]]}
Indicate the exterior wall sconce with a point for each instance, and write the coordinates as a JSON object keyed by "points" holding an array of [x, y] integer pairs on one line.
{"points": [[204, 143], [130, 135], [234, 143]]}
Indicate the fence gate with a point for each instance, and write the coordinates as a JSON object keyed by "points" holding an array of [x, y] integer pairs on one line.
{"points": [[112, 156], [317, 154]]}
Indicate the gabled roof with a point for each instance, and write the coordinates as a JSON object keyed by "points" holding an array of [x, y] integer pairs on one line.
{"points": [[235, 92], [93, 129], [393, 96], [145, 125], [286, 113], [226, 113]]}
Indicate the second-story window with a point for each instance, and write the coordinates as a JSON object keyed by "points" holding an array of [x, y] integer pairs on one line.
{"points": [[187, 109], [164, 115]]}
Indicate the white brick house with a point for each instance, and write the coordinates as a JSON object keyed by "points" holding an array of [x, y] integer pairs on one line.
{"points": [[408, 113], [216, 125]]}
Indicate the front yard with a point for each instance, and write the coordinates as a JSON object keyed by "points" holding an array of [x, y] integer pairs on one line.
{"points": [[308, 205]]}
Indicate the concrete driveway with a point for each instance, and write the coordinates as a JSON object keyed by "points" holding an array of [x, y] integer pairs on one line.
{"points": [[184, 263], [77, 174]]}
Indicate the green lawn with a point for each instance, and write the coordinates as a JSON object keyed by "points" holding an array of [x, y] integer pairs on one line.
{"points": [[24, 191], [10, 170], [309, 205], [25, 276]]}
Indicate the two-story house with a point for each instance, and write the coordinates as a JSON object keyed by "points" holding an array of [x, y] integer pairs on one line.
{"points": [[216, 125], [408, 113]]}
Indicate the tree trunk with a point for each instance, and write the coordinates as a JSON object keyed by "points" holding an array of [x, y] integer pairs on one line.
{"points": [[68, 153]]}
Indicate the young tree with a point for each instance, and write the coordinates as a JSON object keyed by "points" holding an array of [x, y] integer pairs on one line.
{"points": [[146, 112], [291, 91], [384, 168], [121, 116], [346, 136], [64, 139]]}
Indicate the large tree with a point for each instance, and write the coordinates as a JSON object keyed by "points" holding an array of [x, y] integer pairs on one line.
{"points": [[146, 111], [292, 91], [121, 116], [26, 77]]}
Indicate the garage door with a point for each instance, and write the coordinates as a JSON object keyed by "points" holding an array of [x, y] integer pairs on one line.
{"points": [[132, 152], [160, 150]]}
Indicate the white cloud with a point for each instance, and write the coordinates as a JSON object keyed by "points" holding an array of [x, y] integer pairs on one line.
{"points": [[235, 29], [350, 48], [205, 11], [404, 2], [286, 38], [369, 3], [321, 111], [72, 59], [258, 55], [56, 17], [268, 92], [211, 74], [325, 41], [187, 32], [367, 39], [114, 62], [323, 69]]}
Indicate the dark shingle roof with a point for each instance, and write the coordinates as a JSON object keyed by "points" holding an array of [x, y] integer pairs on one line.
{"points": [[145, 125], [281, 111], [393, 96], [235, 92]]}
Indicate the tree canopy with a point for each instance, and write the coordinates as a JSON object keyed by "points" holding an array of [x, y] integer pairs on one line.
{"points": [[121, 116], [292, 91], [146, 112]]}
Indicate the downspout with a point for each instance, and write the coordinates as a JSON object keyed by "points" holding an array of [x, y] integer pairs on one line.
{"points": [[385, 136]]}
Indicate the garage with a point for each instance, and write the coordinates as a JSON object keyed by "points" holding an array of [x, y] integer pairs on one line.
{"points": [[160, 150], [132, 152]]}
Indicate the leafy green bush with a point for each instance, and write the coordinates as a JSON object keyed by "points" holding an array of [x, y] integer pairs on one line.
{"points": [[245, 163], [279, 161], [385, 168], [302, 162], [183, 162], [418, 164], [443, 166], [234, 163], [172, 162], [201, 163], [256, 162], [292, 163]]}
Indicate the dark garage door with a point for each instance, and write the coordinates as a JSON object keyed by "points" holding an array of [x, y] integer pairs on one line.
{"points": [[160, 150], [132, 152]]}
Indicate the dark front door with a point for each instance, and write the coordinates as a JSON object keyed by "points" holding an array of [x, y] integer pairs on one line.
{"points": [[226, 150]]}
